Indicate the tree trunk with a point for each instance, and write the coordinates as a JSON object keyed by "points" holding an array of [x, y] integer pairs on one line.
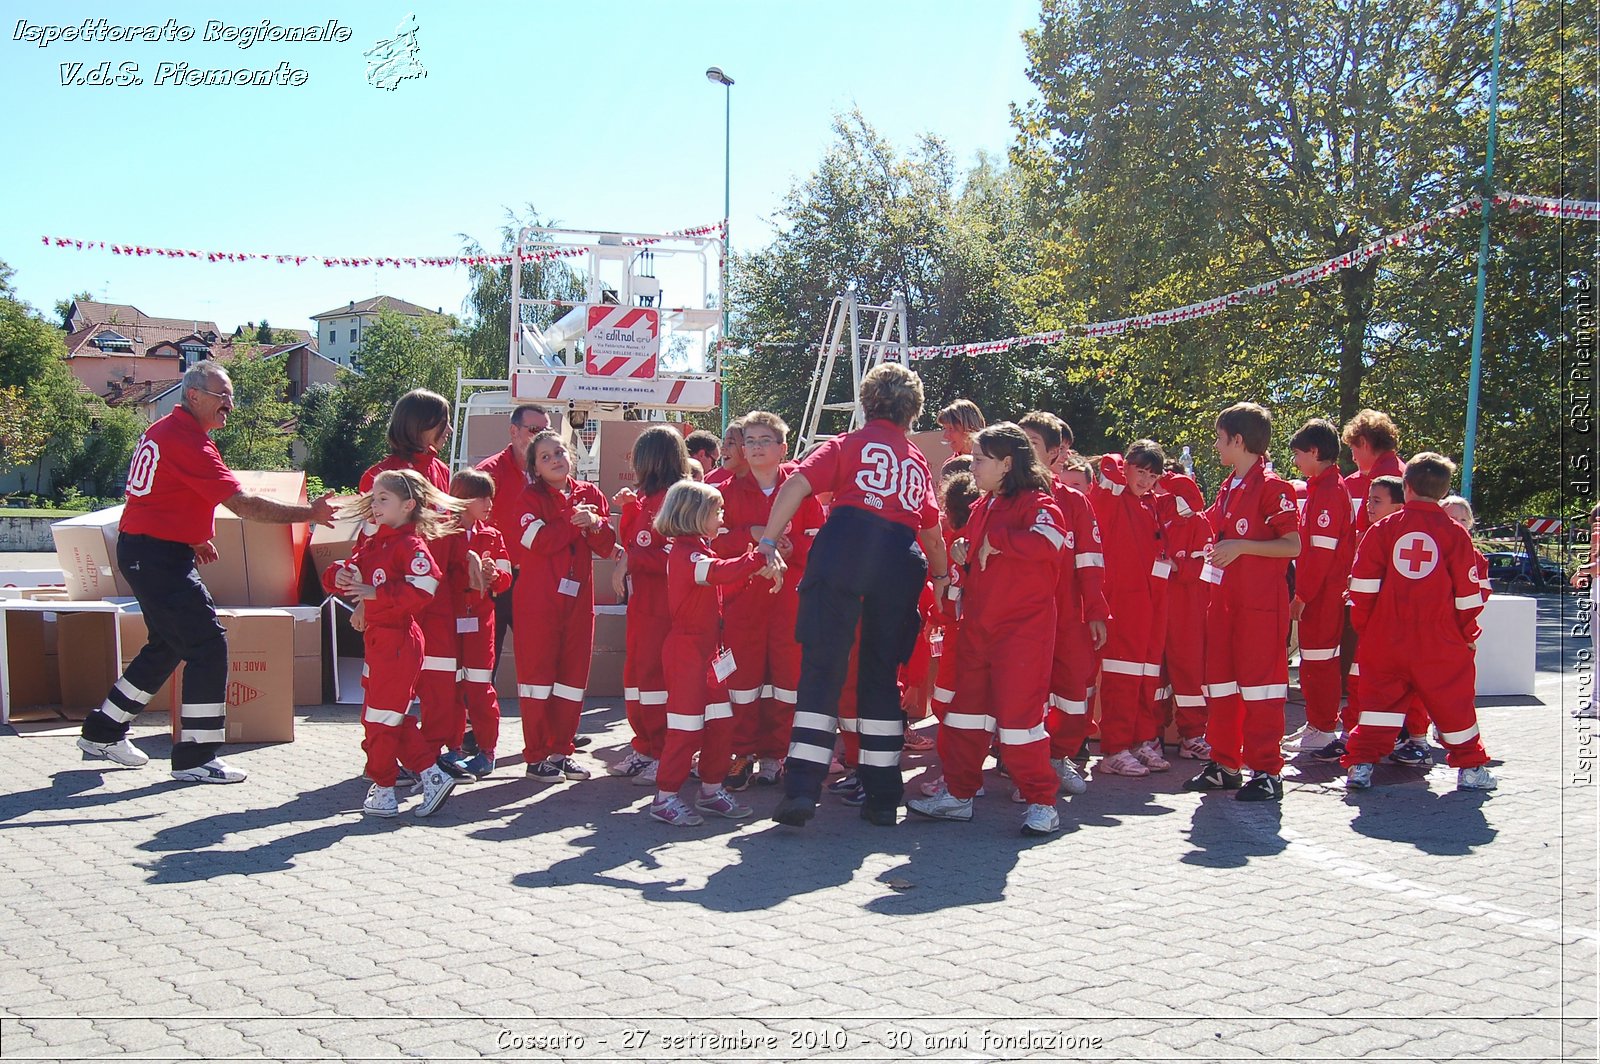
{"points": [[1355, 292]]}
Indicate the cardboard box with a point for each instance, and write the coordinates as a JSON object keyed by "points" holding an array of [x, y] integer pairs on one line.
{"points": [[616, 453], [610, 629], [488, 432], [605, 675], [934, 449], [258, 564], [86, 547], [64, 656], [260, 676], [333, 543], [308, 639]]}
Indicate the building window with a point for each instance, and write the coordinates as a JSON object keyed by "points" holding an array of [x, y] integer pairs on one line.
{"points": [[333, 337], [352, 336]]}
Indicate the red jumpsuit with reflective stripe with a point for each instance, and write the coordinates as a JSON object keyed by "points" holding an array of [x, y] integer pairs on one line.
{"points": [[643, 681], [1187, 533], [698, 714], [759, 625], [1080, 598], [947, 616], [1415, 596], [1136, 592], [555, 594], [1007, 642], [443, 718], [397, 563], [1327, 547], [475, 631], [1247, 625]]}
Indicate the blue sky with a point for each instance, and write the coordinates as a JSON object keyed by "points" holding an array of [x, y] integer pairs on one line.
{"points": [[599, 115]]}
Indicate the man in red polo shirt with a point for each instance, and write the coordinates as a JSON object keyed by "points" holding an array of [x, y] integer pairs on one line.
{"points": [[175, 483], [509, 469]]}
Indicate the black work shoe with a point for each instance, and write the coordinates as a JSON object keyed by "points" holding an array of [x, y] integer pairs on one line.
{"points": [[1215, 778], [1331, 753], [884, 816], [454, 769], [1261, 788], [795, 811]]}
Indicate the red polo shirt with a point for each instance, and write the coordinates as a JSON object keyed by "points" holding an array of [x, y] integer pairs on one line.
{"points": [[175, 481]]}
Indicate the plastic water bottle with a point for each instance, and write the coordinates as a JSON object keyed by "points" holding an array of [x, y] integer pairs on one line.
{"points": [[1187, 461]]}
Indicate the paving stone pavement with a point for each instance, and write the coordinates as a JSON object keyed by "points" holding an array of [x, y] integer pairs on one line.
{"points": [[146, 919]]}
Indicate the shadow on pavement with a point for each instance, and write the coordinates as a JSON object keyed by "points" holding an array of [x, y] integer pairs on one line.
{"points": [[75, 789], [1445, 823], [1226, 833]]}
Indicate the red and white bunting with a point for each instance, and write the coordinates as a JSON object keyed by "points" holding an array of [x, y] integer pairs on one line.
{"points": [[1544, 205], [142, 251]]}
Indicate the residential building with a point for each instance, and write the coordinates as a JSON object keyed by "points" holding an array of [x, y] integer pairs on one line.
{"points": [[113, 345], [339, 331]]}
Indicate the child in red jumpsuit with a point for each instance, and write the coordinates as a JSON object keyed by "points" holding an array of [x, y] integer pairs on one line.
{"points": [[957, 498], [1081, 610], [1247, 622], [1415, 595], [760, 625], [660, 460], [1328, 540], [1137, 571], [564, 523], [1012, 551], [1187, 534], [699, 716], [392, 577], [488, 575], [418, 428]]}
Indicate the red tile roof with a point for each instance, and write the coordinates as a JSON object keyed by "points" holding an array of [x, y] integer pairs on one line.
{"points": [[372, 306], [129, 316]]}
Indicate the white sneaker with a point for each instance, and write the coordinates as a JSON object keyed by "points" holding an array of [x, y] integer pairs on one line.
{"points": [[381, 802], [647, 775], [214, 771], [1072, 781], [122, 752], [1151, 756], [1308, 740], [769, 770], [944, 806], [1195, 748], [1476, 779], [1122, 763], [1041, 820], [631, 765], [436, 787], [1359, 778]]}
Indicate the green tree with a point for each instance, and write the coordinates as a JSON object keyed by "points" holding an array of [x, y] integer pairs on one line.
{"points": [[331, 426], [264, 334], [7, 271], [488, 303], [255, 436], [1181, 151], [24, 427], [882, 222], [102, 464], [64, 306]]}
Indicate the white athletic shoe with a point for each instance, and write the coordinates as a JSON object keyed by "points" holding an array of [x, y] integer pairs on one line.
{"points": [[381, 802], [214, 771], [943, 806], [631, 765], [1151, 756], [1359, 777], [122, 752], [1122, 763], [1476, 779], [1041, 820], [1072, 781], [647, 775], [436, 787], [1309, 740]]}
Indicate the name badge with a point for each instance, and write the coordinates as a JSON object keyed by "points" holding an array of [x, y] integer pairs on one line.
{"points": [[1162, 569], [936, 644], [466, 624], [568, 586], [722, 667], [1211, 574]]}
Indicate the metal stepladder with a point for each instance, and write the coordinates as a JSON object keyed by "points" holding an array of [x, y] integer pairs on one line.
{"points": [[868, 336]]}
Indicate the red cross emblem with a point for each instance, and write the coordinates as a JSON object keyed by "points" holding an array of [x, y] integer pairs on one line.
{"points": [[1415, 555]]}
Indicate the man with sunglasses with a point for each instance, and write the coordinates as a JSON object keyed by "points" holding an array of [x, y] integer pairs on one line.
{"points": [[175, 482]]}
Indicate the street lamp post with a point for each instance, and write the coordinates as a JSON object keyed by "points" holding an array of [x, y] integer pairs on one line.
{"points": [[715, 74]]}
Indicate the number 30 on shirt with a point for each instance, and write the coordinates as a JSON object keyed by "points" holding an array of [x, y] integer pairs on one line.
{"points": [[884, 474]]}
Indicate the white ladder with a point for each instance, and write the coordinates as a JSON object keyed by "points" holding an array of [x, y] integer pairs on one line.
{"points": [[872, 335]]}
